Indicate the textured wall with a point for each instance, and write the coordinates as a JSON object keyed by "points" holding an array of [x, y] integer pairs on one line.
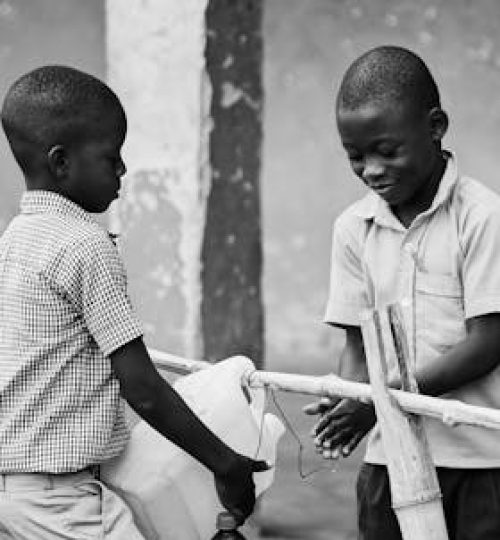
{"points": [[189, 75], [156, 63], [306, 181]]}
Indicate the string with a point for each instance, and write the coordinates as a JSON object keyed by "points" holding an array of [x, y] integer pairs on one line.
{"points": [[300, 466], [261, 423]]}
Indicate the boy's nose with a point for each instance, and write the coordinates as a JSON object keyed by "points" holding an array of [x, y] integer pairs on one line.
{"points": [[372, 169], [121, 169]]}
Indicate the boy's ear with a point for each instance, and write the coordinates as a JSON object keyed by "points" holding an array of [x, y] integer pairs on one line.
{"points": [[57, 159], [438, 123]]}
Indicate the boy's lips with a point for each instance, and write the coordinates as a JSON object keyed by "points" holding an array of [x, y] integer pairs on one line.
{"points": [[381, 188]]}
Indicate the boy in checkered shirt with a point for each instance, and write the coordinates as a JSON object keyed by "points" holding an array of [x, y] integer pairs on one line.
{"points": [[70, 341]]}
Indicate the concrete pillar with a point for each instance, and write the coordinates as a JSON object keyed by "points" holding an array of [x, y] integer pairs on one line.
{"points": [[188, 237]]}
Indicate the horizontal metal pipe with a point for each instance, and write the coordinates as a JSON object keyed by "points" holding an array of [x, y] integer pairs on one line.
{"points": [[449, 411]]}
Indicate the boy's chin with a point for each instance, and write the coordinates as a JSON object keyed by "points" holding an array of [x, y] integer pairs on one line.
{"points": [[98, 208], [389, 196]]}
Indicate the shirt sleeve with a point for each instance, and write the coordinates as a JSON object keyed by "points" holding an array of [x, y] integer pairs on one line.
{"points": [[481, 262], [100, 292], [347, 297]]}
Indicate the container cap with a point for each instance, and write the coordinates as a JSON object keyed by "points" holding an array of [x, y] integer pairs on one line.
{"points": [[226, 521]]}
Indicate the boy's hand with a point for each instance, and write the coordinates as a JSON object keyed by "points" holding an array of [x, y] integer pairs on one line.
{"points": [[342, 425], [236, 489], [321, 406]]}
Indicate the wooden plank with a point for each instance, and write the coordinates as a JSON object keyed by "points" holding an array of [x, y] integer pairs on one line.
{"points": [[449, 411], [416, 497]]}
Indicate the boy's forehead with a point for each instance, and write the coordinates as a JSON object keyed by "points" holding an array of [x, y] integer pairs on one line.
{"points": [[378, 110], [107, 128], [375, 120], [106, 118]]}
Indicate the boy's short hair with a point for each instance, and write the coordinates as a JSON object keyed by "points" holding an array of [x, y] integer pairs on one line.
{"points": [[53, 105], [389, 73]]}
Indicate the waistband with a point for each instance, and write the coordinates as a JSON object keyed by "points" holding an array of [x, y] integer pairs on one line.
{"points": [[45, 481]]}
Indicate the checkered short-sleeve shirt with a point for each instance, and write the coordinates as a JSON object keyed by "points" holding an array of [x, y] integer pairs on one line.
{"points": [[63, 309]]}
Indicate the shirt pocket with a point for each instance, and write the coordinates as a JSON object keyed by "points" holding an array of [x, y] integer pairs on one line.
{"points": [[439, 310]]}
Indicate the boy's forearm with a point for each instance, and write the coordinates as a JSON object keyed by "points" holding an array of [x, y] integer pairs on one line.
{"points": [[352, 365], [162, 407], [474, 357], [466, 362], [167, 412], [463, 364]]}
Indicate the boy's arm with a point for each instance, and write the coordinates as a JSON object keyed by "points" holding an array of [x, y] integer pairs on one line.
{"points": [[343, 423], [352, 360], [472, 358], [160, 405]]}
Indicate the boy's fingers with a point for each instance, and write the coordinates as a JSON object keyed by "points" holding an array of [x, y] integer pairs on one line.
{"points": [[349, 448], [331, 454], [334, 439], [326, 453], [238, 516], [323, 422], [311, 408], [318, 407], [337, 438], [260, 466], [329, 420]]}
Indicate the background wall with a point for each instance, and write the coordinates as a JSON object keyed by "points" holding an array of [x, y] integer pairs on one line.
{"points": [[37, 32], [306, 179]]}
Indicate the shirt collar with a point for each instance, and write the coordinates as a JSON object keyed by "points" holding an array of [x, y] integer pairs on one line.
{"points": [[374, 207], [48, 202]]}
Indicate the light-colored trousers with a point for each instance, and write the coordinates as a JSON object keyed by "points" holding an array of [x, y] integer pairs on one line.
{"points": [[62, 507]]}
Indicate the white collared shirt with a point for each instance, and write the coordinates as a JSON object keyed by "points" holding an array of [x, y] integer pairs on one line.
{"points": [[63, 309], [444, 268]]}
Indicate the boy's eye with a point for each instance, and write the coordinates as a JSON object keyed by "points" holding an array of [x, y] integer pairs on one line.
{"points": [[387, 151], [354, 156]]}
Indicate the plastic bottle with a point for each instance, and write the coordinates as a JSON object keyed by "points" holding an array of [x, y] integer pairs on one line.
{"points": [[227, 528]]}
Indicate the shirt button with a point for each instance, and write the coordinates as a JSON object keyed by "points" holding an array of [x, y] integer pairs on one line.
{"points": [[410, 248]]}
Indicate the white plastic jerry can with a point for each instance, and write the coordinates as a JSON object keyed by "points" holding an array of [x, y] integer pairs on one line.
{"points": [[171, 495]]}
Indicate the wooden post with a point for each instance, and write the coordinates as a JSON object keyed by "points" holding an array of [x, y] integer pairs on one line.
{"points": [[416, 497]]}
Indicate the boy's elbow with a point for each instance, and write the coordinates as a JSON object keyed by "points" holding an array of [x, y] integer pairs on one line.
{"points": [[143, 406], [140, 394], [140, 382]]}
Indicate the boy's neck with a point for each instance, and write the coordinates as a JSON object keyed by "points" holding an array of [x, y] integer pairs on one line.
{"points": [[40, 180], [423, 199]]}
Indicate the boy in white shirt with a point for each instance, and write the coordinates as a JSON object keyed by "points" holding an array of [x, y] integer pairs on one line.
{"points": [[429, 237]]}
